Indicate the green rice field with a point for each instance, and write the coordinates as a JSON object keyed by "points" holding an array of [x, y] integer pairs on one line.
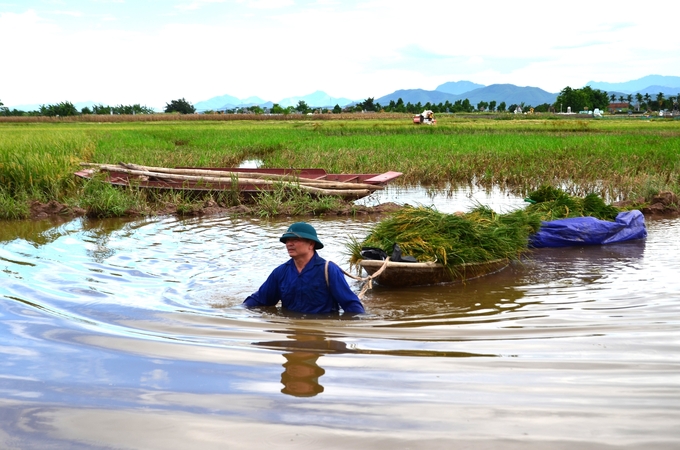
{"points": [[616, 158]]}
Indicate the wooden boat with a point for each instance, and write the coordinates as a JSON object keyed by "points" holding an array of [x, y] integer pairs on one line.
{"points": [[245, 180], [402, 274]]}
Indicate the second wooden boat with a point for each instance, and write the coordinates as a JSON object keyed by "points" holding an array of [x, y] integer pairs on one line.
{"points": [[245, 180]]}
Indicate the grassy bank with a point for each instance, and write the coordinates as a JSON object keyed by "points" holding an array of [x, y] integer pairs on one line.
{"points": [[618, 159]]}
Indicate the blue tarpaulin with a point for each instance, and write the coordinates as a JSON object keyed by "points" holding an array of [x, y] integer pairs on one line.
{"points": [[590, 231]]}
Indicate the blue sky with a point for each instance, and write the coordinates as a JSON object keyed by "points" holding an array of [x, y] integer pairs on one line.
{"points": [[153, 51]]}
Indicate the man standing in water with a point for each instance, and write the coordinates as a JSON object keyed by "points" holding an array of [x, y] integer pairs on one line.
{"points": [[306, 283]]}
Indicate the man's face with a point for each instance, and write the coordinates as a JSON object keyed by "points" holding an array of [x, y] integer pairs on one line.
{"points": [[298, 247]]}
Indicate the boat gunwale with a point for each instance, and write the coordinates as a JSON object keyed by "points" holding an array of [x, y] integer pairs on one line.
{"points": [[447, 275]]}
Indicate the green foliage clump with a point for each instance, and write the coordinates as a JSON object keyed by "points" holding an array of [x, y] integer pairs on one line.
{"points": [[120, 109], [101, 199], [180, 106], [290, 199], [62, 109], [584, 98], [13, 207], [452, 239], [551, 203]]}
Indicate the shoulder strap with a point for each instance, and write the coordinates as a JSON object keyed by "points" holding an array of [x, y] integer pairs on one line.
{"points": [[328, 284]]}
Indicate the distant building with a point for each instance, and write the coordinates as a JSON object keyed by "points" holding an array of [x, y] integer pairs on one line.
{"points": [[613, 108]]}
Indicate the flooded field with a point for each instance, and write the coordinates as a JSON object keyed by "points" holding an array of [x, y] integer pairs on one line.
{"points": [[131, 335]]}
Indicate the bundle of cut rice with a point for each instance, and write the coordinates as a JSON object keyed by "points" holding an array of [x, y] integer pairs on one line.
{"points": [[552, 203], [480, 235]]}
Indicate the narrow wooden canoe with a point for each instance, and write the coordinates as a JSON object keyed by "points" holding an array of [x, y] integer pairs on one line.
{"points": [[245, 180], [401, 274]]}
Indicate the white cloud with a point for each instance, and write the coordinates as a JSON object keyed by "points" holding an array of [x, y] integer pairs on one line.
{"points": [[270, 4], [196, 4], [68, 13], [156, 379], [12, 23], [153, 52]]}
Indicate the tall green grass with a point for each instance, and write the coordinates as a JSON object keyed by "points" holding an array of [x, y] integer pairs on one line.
{"points": [[294, 201], [39, 161], [104, 200], [617, 159], [13, 206]]}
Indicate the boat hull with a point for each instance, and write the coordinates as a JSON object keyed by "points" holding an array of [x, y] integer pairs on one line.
{"points": [[401, 274]]}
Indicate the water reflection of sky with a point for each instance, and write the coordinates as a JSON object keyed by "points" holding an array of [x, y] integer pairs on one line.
{"points": [[447, 200]]}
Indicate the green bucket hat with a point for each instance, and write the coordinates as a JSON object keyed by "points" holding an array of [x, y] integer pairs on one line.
{"points": [[302, 230]]}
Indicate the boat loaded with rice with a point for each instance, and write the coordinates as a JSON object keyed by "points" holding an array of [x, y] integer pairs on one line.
{"points": [[245, 180], [446, 248], [440, 247]]}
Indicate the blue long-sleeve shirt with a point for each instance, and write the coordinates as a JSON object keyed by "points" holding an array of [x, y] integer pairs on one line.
{"points": [[306, 291]]}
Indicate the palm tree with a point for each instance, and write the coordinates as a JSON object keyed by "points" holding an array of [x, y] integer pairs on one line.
{"points": [[660, 99], [638, 98], [612, 98]]}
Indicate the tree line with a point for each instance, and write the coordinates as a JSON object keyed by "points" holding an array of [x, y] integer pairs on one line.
{"points": [[588, 99], [64, 109], [584, 99]]}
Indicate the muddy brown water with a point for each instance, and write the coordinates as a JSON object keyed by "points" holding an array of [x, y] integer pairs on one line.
{"points": [[130, 335]]}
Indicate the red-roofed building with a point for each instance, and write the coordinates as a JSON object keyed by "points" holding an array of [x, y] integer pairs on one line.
{"points": [[613, 108]]}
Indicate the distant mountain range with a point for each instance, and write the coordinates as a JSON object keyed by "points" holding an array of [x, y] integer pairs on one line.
{"points": [[460, 90], [451, 91], [651, 84], [458, 87], [508, 93], [318, 98]]}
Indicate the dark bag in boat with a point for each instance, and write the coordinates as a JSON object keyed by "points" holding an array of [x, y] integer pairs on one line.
{"points": [[373, 253], [397, 256]]}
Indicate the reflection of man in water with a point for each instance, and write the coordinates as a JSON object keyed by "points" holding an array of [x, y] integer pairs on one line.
{"points": [[301, 375]]}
